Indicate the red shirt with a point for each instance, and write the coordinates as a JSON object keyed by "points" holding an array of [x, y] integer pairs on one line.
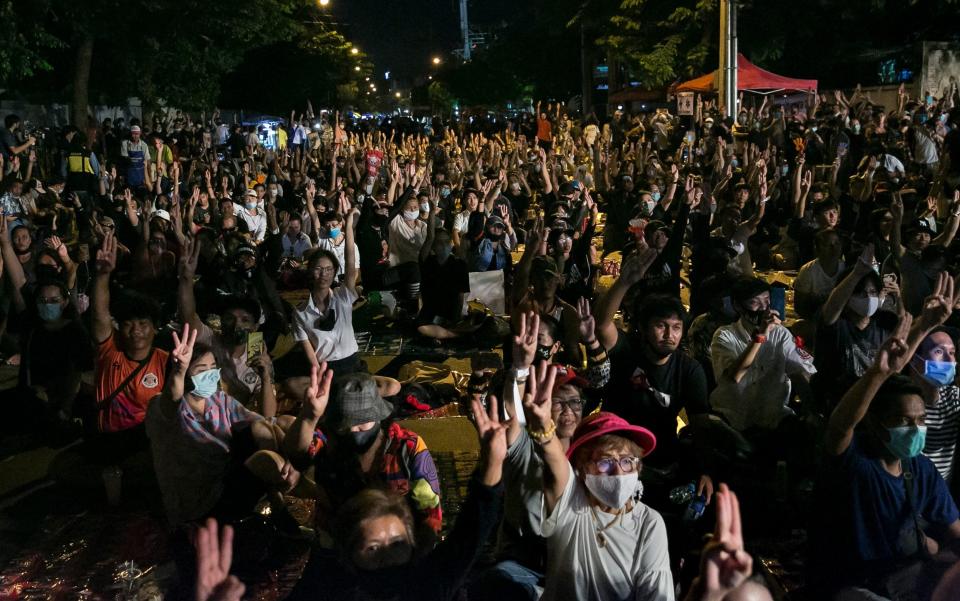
{"points": [[129, 407]]}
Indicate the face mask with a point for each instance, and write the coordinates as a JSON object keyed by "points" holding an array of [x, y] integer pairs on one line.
{"points": [[424, 207], [273, 192], [380, 219], [941, 373], [411, 215], [737, 248], [515, 188], [613, 491], [864, 306], [251, 205], [813, 129], [784, 169], [856, 128], [544, 352], [362, 441], [234, 336], [49, 311], [906, 442], [649, 206], [735, 163], [656, 196], [753, 317], [205, 384], [444, 192], [368, 189], [334, 232]]}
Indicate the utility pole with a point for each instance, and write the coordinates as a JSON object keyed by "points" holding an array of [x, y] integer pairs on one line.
{"points": [[586, 74], [727, 73], [465, 29]]}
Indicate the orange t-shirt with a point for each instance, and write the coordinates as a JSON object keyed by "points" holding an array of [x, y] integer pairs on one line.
{"points": [[129, 407], [544, 130]]}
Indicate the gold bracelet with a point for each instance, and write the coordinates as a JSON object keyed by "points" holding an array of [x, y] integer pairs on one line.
{"points": [[545, 435]]}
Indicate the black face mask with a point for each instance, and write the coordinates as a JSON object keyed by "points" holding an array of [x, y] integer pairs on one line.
{"points": [[362, 441], [754, 317], [234, 336], [544, 352]]}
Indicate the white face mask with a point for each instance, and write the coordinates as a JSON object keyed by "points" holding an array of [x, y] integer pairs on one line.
{"points": [[411, 215], [737, 248], [864, 306], [614, 491]]}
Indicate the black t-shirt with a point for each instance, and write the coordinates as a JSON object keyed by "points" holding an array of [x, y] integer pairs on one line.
{"points": [[951, 143], [8, 142], [652, 396], [48, 354], [441, 286]]}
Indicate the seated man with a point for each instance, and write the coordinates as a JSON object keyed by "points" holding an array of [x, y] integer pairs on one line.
{"points": [[880, 501], [754, 361], [130, 371]]}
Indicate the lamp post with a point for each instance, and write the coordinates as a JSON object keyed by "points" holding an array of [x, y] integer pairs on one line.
{"points": [[727, 73]]}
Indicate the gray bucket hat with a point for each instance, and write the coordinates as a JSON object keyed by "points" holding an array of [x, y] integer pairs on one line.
{"points": [[356, 401]]}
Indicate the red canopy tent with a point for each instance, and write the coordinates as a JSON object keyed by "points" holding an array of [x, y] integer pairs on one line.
{"points": [[750, 78]]}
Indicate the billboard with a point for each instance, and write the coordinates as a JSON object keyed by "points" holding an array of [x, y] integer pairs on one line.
{"points": [[941, 68]]}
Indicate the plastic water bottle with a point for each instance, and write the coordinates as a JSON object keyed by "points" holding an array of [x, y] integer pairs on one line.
{"points": [[687, 494]]}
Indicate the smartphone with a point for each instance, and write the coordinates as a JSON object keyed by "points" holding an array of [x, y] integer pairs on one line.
{"points": [[254, 345], [778, 300]]}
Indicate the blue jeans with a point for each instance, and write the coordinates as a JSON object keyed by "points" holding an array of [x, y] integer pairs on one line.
{"points": [[508, 581]]}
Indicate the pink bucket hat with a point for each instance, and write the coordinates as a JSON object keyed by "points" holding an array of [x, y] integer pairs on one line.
{"points": [[604, 422]]}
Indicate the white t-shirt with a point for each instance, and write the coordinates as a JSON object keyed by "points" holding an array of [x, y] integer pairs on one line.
{"points": [[462, 221], [341, 252], [256, 224], [406, 241], [338, 343], [634, 563], [760, 398], [295, 248], [813, 280]]}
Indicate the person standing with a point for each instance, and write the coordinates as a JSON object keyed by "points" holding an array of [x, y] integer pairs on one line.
{"points": [[137, 154]]}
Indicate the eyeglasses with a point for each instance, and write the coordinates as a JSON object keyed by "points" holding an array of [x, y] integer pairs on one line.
{"points": [[323, 270], [574, 405], [627, 464]]}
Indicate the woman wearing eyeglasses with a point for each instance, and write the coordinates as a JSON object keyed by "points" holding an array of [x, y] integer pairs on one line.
{"points": [[323, 324], [602, 541]]}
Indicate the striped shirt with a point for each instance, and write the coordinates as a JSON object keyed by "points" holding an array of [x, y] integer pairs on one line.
{"points": [[220, 413], [943, 426]]}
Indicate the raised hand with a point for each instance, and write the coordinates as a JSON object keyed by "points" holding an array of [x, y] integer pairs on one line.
{"points": [[214, 556], [894, 354], [183, 348], [896, 206], [492, 431], [636, 265], [189, 258], [318, 393], [525, 342], [724, 564], [107, 255], [865, 262], [587, 324], [940, 304], [56, 244], [538, 397]]}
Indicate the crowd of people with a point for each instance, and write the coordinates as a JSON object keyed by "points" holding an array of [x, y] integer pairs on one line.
{"points": [[657, 351]]}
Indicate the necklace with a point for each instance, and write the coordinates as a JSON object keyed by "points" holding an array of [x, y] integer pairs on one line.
{"points": [[601, 537]]}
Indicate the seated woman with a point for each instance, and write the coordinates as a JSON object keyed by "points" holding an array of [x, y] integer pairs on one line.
{"points": [[602, 542], [213, 457], [360, 446], [323, 324], [378, 554]]}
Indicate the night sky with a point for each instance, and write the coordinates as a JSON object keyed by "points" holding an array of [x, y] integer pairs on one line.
{"points": [[401, 36]]}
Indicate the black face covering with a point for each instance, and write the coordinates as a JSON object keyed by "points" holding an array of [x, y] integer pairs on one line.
{"points": [[379, 219], [753, 317], [543, 352], [234, 336], [362, 441]]}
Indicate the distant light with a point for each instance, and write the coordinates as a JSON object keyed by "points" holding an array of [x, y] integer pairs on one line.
{"points": [[436, 60], [373, 85], [367, 79], [398, 95], [386, 75], [354, 50], [619, 107], [374, 89], [324, 2], [357, 68], [430, 77]]}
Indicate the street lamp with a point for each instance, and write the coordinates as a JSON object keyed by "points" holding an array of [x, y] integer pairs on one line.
{"points": [[354, 50], [324, 2], [398, 95], [357, 68], [436, 60]]}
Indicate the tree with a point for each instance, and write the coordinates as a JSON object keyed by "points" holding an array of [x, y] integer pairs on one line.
{"points": [[24, 41]]}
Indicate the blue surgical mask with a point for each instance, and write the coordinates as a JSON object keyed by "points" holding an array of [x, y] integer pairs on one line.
{"points": [[906, 442], [856, 128], [424, 207], [941, 373], [49, 311], [334, 232], [444, 192], [205, 383], [251, 205], [784, 169], [735, 163], [656, 196]]}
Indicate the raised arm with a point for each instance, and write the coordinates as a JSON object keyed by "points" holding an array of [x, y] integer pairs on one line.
{"points": [[296, 444], [12, 267], [102, 324], [173, 389], [833, 308], [634, 268], [950, 230], [537, 406], [896, 241], [350, 251], [186, 300], [524, 351]]}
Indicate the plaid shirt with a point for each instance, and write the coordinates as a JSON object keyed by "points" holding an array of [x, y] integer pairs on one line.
{"points": [[220, 413], [406, 468]]}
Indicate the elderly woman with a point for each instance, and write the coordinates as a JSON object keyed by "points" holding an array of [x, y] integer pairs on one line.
{"points": [[602, 542]]}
